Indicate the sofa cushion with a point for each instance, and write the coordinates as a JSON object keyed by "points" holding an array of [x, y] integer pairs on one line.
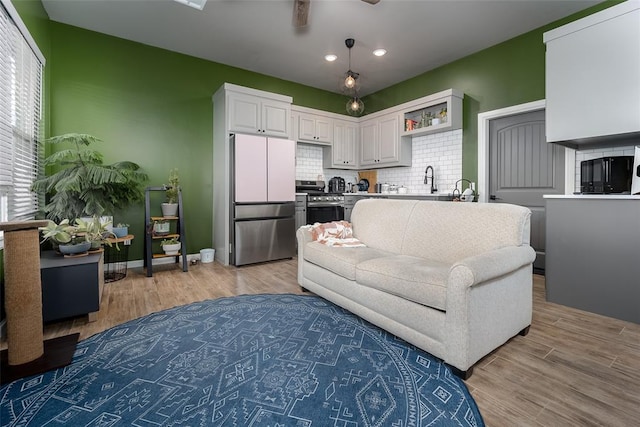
{"points": [[449, 232], [382, 224], [416, 279], [340, 260]]}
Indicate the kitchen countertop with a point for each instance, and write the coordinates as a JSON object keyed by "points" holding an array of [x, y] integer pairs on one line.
{"points": [[593, 196], [435, 196]]}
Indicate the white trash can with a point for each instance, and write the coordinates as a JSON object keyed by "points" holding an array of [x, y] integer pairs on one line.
{"points": [[207, 255]]}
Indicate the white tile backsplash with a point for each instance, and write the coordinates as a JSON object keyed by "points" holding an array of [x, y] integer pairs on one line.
{"points": [[308, 161], [442, 150], [596, 153]]}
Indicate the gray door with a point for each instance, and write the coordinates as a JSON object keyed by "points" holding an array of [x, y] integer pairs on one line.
{"points": [[523, 167]]}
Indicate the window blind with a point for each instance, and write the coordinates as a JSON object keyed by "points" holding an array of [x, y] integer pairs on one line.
{"points": [[20, 117]]}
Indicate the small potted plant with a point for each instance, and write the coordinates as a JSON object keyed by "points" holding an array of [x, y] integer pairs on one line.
{"points": [[443, 115], [171, 246], [161, 227], [121, 230], [170, 207], [64, 238], [95, 231]]}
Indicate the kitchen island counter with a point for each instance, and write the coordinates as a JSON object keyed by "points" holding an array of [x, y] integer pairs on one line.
{"points": [[592, 253], [593, 196], [421, 196]]}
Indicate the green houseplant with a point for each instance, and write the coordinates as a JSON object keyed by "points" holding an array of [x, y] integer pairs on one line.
{"points": [[82, 185], [171, 246], [95, 231], [65, 237], [170, 207]]}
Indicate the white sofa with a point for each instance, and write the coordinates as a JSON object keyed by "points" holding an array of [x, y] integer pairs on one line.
{"points": [[454, 279]]}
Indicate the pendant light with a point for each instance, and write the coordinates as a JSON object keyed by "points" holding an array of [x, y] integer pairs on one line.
{"points": [[354, 106], [350, 82]]}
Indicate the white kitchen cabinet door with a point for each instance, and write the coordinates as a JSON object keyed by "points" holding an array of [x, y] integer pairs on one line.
{"points": [[244, 113], [345, 145], [369, 143], [250, 168], [324, 131], [281, 170], [388, 140], [276, 118]]}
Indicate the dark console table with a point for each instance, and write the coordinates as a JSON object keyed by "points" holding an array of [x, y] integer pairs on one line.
{"points": [[71, 286]]}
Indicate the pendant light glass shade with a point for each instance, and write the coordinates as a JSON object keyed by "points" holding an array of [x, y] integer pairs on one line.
{"points": [[355, 106], [350, 81]]}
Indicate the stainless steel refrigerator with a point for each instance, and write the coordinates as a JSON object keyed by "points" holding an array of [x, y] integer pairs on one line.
{"points": [[263, 193]]}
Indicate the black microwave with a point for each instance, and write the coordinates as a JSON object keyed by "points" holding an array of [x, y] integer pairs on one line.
{"points": [[606, 175]]}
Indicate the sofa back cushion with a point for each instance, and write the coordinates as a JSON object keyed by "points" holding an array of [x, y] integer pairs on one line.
{"points": [[381, 223], [440, 231], [449, 231]]}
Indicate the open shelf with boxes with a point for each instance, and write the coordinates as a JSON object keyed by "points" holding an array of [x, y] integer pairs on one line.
{"points": [[439, 112]]}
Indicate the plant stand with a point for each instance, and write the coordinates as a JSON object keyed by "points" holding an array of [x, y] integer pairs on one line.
{"points": [[27, 354], [151, 236], [115, 259]]}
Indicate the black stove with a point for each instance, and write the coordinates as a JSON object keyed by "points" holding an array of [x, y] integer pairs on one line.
{"points": [[321, 206], [316, 195]]}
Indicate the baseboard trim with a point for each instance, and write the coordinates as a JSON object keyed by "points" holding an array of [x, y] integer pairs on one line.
{"points": [[161, 261]]}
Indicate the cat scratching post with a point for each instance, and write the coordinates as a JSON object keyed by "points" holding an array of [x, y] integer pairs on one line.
{"points": [[26, 354]]}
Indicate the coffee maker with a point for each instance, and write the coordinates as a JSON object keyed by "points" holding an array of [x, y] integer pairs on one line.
{"points": [[336, 185]]}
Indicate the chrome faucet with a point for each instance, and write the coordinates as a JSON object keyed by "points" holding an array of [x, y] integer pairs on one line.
{"points": [[433, 188]]}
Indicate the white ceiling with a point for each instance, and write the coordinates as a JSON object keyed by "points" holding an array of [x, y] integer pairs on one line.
{"points": [[258, 35]]}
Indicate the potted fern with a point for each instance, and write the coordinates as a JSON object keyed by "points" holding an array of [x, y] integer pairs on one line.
{"points": [[82, 185], [170, 207]]}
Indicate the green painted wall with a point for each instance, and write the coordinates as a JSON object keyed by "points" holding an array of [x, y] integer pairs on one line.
{"points": [[152, 107], [503, 75]]}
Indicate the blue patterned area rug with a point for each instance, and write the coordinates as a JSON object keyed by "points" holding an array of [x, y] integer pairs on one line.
{"points": [[251, 360]]}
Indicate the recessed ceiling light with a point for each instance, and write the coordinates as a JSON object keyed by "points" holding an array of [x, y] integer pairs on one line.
{"points": [[331, 57], [379, 52], [196, 4]]}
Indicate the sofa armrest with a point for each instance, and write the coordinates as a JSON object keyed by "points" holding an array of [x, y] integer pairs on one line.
{"points": [[303, 234], [490, 265]]}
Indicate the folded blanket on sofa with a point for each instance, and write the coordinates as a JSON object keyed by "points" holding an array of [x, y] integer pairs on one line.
{"points": [[336, 233]]}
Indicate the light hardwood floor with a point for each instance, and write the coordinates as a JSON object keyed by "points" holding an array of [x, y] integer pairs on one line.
{"points": [[573, 368]]}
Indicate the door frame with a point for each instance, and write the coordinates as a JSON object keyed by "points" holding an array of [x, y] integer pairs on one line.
{"points": [[483, 147]]}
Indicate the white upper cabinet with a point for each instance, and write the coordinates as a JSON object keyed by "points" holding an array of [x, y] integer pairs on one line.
{"points": [[315, 128], [380, 143], [593, 77], [343, 153], [439, 112], [258, 115]]}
